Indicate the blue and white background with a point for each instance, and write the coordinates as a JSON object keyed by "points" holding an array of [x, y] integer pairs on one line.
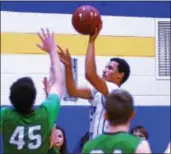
{"points": [[129, 31]]}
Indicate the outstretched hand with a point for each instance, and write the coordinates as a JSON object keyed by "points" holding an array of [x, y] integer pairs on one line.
{"points": [[65, 56], [93, 37], [47, 39]]}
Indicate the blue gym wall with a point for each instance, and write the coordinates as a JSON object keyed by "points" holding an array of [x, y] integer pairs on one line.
{"points": [[75, 121]]}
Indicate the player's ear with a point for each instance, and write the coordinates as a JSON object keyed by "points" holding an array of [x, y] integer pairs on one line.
{"points": [[132, 115], [120, 76]]}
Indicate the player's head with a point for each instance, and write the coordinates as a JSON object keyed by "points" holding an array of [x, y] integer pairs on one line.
{"points": [[117, 71], [119, 107], [140, 132], [61, 141], [23, 94], [84, 139]]}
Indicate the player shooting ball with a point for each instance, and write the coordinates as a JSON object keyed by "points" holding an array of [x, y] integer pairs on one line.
{"points": [[119, 111], [115, 73], [26, 129]]}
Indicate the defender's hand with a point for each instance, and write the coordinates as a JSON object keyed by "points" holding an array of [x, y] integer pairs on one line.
{"points": [[47, 40]]}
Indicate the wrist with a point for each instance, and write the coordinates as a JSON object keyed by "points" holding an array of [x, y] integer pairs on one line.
{"points": [[68, 66], [91, 41], [53, 49]]}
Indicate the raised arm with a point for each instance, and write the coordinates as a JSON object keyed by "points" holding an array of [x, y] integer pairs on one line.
{"points": [[58, 78], [90, 66], [56, 75], [72, 89]]}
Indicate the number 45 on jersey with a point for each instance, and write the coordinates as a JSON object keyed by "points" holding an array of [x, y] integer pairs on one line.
{"points": [[35, 139]]}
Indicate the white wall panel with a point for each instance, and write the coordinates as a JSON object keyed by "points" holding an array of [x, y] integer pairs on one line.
{"points": [[142, 82], [137, 85], [135, 26], [39, 64]]}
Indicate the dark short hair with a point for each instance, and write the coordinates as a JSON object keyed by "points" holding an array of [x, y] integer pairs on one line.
{"points": [[141, 129], [123, 67], [119, 107], [23, 95], [84, 139]]}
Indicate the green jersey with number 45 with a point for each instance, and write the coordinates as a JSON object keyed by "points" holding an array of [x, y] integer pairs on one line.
{"points": [[120, 142], [30, 133]]}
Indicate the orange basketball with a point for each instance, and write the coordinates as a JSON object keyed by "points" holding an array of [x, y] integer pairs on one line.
{"points": [[85, 19]]}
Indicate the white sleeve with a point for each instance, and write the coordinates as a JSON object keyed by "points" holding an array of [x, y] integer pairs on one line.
{"points": [[93, 93], [143, 147], [168, 149], [111, 86]]}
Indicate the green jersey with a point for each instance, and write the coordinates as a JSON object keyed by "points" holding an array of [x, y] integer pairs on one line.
{"points": [[54, 150], [30, 133], [120, 142]]}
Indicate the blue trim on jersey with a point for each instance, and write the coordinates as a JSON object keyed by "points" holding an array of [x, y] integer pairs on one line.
{"points": [[102, 101], [90, 135], [92, 111]]}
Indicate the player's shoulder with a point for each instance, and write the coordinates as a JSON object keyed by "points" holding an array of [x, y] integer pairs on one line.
{"points": [[130, 139], [52, 98], [132, 142], [111, 86], [95, 140], [5, 110], [90, 145], [133, 138]]}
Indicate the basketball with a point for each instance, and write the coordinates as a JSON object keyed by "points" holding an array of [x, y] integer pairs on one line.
{"points": [[86, 19]]}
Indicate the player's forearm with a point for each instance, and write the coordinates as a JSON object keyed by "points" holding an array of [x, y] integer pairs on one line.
{"points": [[58, 78], [51, 80], [56, 67], [70, 83], [90, 65]]}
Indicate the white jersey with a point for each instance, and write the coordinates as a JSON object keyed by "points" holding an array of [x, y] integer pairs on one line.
{"points": [[168, 149], [97, 122]]}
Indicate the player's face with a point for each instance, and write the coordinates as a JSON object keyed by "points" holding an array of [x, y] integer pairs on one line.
{"points": [[59, 138], [110, 72]]}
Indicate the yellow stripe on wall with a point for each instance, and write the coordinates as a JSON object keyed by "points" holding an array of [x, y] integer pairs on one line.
{"points": [[20, 43]]}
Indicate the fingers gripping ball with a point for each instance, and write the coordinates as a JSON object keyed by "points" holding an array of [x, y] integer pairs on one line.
{"points": [[86, 19]]}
